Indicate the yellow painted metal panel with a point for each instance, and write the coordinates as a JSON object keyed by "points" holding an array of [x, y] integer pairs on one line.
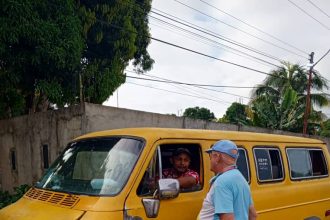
{"points": [[103, 215], [26, 209]]}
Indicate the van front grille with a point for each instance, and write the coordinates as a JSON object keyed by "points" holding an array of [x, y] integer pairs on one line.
{"points": [[60, 199]]}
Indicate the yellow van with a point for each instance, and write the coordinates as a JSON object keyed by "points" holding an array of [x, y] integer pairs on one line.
{"points": [[104, 175]]}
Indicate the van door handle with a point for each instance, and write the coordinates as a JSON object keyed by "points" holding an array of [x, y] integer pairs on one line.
{"points": [[312, 218]]}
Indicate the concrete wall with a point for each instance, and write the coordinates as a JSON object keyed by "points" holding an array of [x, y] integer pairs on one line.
{"points": [[100, 117], [27, 134]]}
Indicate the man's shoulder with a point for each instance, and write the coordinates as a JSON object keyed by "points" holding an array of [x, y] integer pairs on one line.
{"points": [[233, 179], [231, 173], [229, 176]]}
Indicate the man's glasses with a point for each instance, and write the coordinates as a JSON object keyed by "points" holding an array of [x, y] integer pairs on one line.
{"points": [[213, 154]]}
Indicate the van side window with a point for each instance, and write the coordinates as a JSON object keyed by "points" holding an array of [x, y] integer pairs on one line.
{"points": [[269, 164], [242, 164], [306, 163], [319, 165]]}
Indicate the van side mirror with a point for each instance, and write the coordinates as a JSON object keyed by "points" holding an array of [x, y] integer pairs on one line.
{"points": [[168, 188]]}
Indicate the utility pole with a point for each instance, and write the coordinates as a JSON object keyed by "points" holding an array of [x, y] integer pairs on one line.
{"points": [[308, 97]]}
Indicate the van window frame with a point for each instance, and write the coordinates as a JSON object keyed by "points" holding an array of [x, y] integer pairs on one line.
{"points": [[69, 145], [200, 171], [309, 149], [265, 147], [160, 161], [240, 147]]}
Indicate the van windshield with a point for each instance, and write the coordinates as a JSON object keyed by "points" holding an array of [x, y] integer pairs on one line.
{"points": [[93, 166]]}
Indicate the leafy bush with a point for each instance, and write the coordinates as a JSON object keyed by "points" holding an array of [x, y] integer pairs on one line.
{"points": [[6, 198]]}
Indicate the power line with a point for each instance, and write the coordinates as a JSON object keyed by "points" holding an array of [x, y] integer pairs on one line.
{"points": [[190, 84], [269, 56], [230, 47], [190, 50], [254, 27], [301, 9], [212, 43], [196, 91], [214, 90], [319, 61], [213, 34], [212, 57], [179, 93], [197, 86], [190, 90], [321, 58], [193, 91], [323, 12], [245, 32], [215, 42], [139, 6]]}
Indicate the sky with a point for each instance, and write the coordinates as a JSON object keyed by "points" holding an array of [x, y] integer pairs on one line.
{"points": [[277, 29]]}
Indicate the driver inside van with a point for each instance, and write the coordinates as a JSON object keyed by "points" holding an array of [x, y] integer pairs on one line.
{"points": [[180, 161]]}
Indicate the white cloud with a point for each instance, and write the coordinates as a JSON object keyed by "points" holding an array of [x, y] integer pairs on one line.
{"points": [[278, 18]]}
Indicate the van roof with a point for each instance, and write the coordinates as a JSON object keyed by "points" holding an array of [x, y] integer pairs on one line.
{"points": [[173, 133]]}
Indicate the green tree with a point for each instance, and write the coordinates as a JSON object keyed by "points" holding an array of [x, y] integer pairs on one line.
{"points": [[325, 128], [279, 102], [199, 113], [237, 114], [49, 50], [115, 33], [40, 47]]}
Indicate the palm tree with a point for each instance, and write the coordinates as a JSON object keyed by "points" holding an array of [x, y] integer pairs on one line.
{"points": [[279, 102]]}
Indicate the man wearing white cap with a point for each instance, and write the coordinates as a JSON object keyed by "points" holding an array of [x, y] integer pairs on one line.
{"points": [[229, 197]]}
